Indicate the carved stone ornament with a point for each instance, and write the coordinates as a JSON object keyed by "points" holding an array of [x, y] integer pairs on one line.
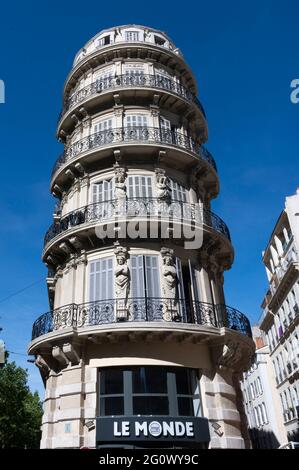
{"points": [[122, 280], [119, 181], [162, 185], [169, 273], [231, 354]]}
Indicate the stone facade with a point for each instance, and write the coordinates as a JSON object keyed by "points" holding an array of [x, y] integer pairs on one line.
{"points": [[128, 286]]}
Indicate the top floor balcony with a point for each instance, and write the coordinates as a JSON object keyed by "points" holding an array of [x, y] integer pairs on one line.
{"points": [[126, 34]]}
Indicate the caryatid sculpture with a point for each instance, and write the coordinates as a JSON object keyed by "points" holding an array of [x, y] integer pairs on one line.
{"points": [[169, 283], [122, 280]]}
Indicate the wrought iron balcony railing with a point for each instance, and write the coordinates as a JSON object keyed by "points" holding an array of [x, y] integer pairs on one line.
{"points": [[137, 207], [140, 134], [141, 309], [134, 81]]}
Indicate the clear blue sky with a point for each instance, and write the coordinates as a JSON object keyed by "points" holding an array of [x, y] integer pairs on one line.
{"points": [[244, 55]]}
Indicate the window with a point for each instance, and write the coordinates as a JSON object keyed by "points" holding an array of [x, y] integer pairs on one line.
{"points": [[102, 191], [104, 80], [102, 195], [145, 277], [139, 186], [132, 35], [104, 41], [259, 384], [137, 120], [264, 413], [101, 280], [134, 75], [178, 191], [165, 126], [149, 391], [103, 125], [159, 41], [136, 127]]}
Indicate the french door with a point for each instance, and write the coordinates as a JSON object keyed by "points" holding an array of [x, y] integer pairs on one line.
{"points": [[101, 291], [104, 81], [139, 186], [103, 125], [145, 287], [136, 127], [166, 132], [102, 199]]}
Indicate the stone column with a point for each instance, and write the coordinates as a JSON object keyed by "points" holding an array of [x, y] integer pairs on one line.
{"points": [[221, 409]]}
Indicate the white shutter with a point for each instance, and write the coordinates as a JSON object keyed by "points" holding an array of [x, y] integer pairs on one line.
{"points": [[139, 186], [178, 192], [103, 125], [102, 191], [145, 278], [152, 275], [104, 80], [101, 280], [137, 277], [194, 284], [133, 120]]}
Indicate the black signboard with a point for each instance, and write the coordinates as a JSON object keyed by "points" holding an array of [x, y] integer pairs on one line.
{"points": [[149, 429]]}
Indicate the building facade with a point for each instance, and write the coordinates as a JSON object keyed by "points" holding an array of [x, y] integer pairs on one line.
{"points": [[261, 401], [280, 318], [138, 348]]}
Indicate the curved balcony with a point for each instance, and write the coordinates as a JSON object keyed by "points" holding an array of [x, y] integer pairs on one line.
{"points": [[141, 310], [131, 135], [128, 81], [137, 207]]}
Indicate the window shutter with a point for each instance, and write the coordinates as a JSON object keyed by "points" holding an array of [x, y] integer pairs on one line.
{"points": [[103, 125], [137, 277], [101, 280], [139, 186], [102, 191], [152, 276]]}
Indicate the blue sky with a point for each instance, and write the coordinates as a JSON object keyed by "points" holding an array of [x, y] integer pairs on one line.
{"points": [[244, 55]]}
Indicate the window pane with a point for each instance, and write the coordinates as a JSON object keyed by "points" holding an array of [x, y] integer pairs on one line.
{"points": [[112, 406], [112, 381], [149, 380], [150, 405], [184, 382], [185, 406]]}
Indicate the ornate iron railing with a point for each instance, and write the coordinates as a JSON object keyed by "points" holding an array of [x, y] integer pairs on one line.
{"points": [[141, 309], [137, 207], [133, 134], [134, 81]]}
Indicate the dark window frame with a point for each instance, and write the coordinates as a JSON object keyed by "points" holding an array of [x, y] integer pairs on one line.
{"points": [[171, 393]]}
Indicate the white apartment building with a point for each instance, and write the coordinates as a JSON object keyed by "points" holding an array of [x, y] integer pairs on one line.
{"points": [[139, 347], [261, 402], [280, 318]]}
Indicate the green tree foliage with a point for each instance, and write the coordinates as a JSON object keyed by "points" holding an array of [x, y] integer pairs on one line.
{"points": [[20, 410]]}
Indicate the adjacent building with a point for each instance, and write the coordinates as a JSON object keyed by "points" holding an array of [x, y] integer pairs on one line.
{"points": [[261, 401], [139, 348], [280, 318]]}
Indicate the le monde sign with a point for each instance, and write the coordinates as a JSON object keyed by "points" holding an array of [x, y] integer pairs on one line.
{"points": [[146, 429]]}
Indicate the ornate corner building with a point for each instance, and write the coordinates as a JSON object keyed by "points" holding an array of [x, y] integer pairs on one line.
{"points": [[138, 348]]}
